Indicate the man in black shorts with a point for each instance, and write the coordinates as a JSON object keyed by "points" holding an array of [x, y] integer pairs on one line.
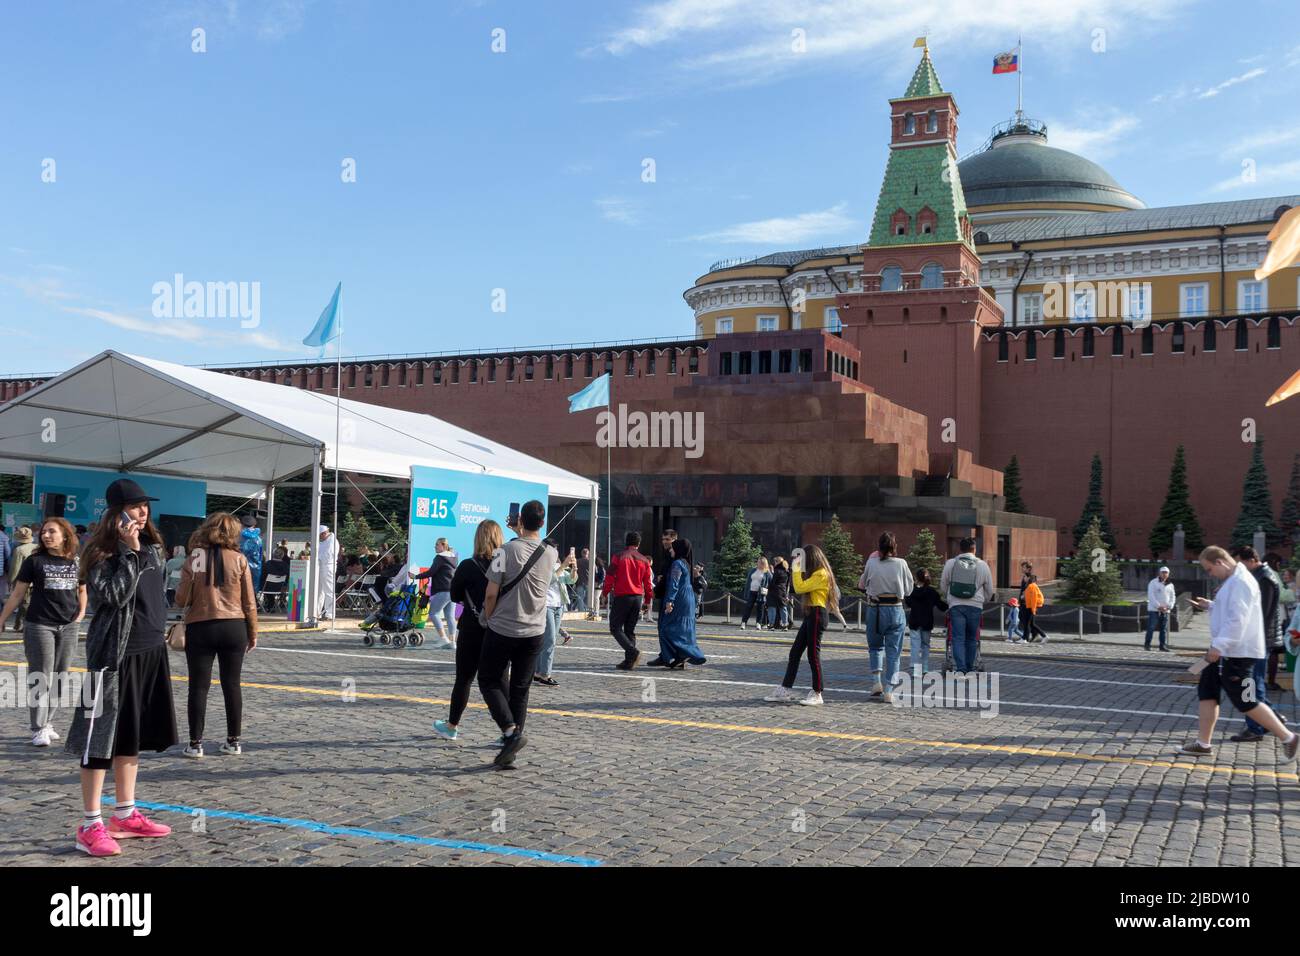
{"points": [[1236, 643]]}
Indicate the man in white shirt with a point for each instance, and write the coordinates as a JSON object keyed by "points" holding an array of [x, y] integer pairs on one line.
{"points": [[966, 584], [327, 561], [1160, 601], [1236, 643]]}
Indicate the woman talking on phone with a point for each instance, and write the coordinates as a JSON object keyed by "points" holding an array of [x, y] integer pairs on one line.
{"points": [[130, 707], [820, 593]]}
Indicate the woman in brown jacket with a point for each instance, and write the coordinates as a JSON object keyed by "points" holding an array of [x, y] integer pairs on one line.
{"points": [[216, 591]]}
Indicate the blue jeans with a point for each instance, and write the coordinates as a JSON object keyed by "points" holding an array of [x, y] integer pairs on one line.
{"points": [[964, 620], [885, 627], [1155, 619], [1260, 674], [580, 597], [1013, 622], [920, 660], [554, 615], [772, 614]]}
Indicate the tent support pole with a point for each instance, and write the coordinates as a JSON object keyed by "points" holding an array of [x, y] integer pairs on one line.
{"points": [[593, 599], [267, 547], [313, 577]]}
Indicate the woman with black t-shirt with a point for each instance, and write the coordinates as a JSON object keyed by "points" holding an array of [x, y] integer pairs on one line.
{"points": [[469, 587], [58, 602], [130, 707]]}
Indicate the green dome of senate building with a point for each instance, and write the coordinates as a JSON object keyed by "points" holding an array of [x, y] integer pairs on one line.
{"points": [[1019, 175]]}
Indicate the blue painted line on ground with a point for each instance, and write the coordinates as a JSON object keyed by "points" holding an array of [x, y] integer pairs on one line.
{"points": [[318, 827]]}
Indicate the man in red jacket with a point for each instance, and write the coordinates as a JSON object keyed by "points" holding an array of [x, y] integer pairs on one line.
{"points": [[631, 580]]}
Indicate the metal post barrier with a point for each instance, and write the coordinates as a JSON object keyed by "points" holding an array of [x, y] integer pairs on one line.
{"points": [[728, 617], [1080, 610], [1002, 618], [859, 612]]}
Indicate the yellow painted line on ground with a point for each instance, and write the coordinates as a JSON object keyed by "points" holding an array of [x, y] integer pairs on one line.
{"points": [[783, 731], [19, 641]]}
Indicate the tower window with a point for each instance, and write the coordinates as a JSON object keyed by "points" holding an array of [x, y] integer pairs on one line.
{"points": [[891, 279], [931, 272], [909, 124], [932, 122]]}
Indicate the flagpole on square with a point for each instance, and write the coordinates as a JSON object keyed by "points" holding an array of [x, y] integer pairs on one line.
{"points": [[338, 417], [328, 328], [596, 394]]}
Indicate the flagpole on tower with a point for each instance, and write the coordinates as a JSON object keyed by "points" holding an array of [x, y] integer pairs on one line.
{"points": [[1020, 81]]}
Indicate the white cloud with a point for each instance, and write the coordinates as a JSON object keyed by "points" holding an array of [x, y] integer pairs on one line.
{"points": [[1232, 81], [615, 209], [1091, 140], [1251, 144], [748, 41], [787, 230], [1265, 176]]}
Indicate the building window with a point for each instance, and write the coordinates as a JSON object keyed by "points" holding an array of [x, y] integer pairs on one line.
{"points": [[796, 320], [1002, 346], [1117, 342], [891, 279], [832, 321], [650, 362], [1058, 344], [1193, 299], [783, 362], [1252, 295], [1148, 341], [909, 124], [724, 363], [1243, 336], [1137, 301], [932, 122], [1031, 308], [693, 362], [767, 323], [672, 361], [1084, 305], [1089, 342], [699, 330], [765, 363], [805, 360], [746, 364], [932, 276], [1208, 345], [723, 327], [1031, 346], [1179, 341], [1274, 333]]}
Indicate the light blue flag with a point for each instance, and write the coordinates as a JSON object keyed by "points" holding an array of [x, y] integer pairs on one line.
{"points": [[329, 326], [593, 396]]}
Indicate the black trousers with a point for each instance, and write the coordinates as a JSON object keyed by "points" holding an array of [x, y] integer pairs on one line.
{"points": [[520, 655], [469, 651], [225, 641], [759, 600], [1030, 626], [624, 610], [808, 639]]}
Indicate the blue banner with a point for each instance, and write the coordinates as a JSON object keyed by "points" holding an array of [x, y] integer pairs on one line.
{"points": [[450, 504], [85, 489]]}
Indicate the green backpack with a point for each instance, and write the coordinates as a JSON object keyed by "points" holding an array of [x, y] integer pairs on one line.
{"points": [[963, 581]]}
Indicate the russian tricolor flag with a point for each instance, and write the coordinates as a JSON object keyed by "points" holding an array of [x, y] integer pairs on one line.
{"points": [[1007, 62]]}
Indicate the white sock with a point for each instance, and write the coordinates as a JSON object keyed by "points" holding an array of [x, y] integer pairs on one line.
{"points": [[90, 817], [123, 810]]}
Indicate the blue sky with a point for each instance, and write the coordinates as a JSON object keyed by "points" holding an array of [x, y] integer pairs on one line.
{"points": [[523, 170]]}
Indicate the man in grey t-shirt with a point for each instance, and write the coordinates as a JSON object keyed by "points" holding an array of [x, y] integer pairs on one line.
{"points": [[515, 609]]}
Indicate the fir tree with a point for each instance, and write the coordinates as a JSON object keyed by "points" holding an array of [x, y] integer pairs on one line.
{"points": [[1093, 508], [1011, 488], [1092, 575], [1176, 510], [355, 534], [396, 537], [737, 556], [1290, 517], [924, 556], [15, 488], [845, 562], [1256, 504]]}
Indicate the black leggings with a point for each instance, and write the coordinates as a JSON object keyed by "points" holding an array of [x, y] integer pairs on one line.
{"points": [[469, 647], [809, 638], [756, 599], [1029, 625], [227, 641]]}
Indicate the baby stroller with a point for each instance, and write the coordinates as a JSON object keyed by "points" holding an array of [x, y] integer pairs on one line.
{"points": [[392, 623], [947, 648]]}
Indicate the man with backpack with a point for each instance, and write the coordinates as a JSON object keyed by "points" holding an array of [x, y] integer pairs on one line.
{"points": [[967, 584], [514, 609]]}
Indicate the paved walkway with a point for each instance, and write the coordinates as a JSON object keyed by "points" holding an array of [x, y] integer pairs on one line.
{"points": [[1075, 765]]}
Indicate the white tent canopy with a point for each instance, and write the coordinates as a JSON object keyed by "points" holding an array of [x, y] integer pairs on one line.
{"points": [[128, 413]]}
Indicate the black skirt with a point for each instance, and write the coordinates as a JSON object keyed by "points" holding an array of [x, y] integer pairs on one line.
{"points": [[146, 717]]}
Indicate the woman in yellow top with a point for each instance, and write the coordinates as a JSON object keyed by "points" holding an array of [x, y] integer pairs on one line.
{"points": [[820, 597]]}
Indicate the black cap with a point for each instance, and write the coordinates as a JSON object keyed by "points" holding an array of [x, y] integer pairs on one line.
{"points": [[248, 521], [124, 492]]}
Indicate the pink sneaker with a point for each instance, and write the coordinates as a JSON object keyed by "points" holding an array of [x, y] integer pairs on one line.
{"points": [[137, 825], [96, 841]]}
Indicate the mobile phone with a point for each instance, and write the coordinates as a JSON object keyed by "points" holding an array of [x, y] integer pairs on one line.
{"points": [[572, 552], [123, 521], [513, 519]]}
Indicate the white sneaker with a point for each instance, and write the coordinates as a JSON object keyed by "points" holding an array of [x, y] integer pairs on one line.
{"points": [[781, 695], [54, 734], [888, 697], [813, 699], [232, 750], [195, 752], [877, 690], [41, 738], [742, 625]]}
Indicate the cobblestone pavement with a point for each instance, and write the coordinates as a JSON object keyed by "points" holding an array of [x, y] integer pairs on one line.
{"points": [[1078, 766]]}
